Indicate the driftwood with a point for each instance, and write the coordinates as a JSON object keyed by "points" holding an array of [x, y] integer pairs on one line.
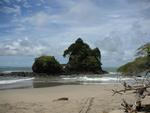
{"points": [[62, 99], [128, 108], [141, 91], [139, 88]]}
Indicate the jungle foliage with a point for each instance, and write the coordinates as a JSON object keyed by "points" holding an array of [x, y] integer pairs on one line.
{"points": [[140, 64], [46, 64], [82, 58]]}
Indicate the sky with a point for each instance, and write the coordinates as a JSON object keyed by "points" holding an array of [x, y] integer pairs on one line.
{"points": [[30, 28]]}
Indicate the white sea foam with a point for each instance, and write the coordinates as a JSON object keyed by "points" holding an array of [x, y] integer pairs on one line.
{"points": [[114, 73], [15, 81], [101, 79], [6, 72]]}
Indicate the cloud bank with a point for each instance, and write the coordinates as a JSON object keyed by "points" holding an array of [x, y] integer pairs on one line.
{"points": [[117, 27]]}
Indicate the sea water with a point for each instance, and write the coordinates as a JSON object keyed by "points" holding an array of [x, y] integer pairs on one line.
{"points": [[7, 69], [9, 82]]}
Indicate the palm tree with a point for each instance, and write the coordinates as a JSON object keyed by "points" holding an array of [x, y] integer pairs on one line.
{"points": [[144, 50]]}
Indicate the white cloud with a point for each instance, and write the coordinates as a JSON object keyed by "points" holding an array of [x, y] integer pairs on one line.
{"points": [[120, 46], [15, 10], [31, 47], [40, 19], [116, 27], [7, 1], [22, 47], [26, 4]]}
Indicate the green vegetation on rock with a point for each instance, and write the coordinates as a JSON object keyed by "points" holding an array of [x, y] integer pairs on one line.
{"points": [[82, 58], [46, 64], [136, 66], [140, 64]]}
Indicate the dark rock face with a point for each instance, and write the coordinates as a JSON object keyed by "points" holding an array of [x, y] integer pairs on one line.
{"points": [[46, 64], [82, 58]]}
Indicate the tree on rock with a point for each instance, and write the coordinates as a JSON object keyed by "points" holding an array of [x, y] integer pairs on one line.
{"points": [[82, 58], [46, 64]]}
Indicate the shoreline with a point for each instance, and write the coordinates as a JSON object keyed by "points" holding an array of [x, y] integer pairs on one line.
{"points": [[13, 82]]}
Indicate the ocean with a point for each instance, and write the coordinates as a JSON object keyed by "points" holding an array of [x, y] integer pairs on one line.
{"points": [[7, 69], [9, 82]]}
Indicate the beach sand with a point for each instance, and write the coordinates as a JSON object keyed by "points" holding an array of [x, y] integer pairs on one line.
{"points": [[81, 99]]}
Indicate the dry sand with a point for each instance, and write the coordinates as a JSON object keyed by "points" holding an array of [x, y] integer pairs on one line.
{"points": [[82, 99]]}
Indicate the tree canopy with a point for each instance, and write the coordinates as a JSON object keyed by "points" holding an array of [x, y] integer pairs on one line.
{"points": [[46, 64], [82, 58]]}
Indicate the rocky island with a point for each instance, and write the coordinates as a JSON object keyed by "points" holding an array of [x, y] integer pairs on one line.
{"points": [[82, 59]]}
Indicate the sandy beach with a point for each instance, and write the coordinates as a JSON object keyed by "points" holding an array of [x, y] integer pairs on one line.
{"points": [[81, 99]]}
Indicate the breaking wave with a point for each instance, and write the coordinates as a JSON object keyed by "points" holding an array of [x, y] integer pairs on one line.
{"points": [[15, 81]]}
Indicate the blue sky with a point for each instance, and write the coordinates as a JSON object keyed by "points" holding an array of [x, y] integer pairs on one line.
{"points": [[30, 28]]}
